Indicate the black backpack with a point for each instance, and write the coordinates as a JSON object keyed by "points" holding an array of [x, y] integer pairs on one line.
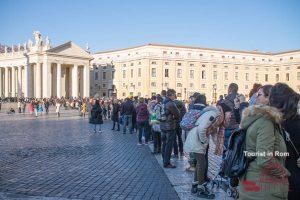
{"points": [[236, 163]]}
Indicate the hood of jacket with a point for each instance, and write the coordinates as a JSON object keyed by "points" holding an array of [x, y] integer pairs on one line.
{"points": [[255, 112]]}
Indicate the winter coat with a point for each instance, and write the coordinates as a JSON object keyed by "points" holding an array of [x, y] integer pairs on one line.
{"points": [[115, 112], [262, 179], [127, 108], [293, 128], [172, 114], [198, 137], [142, 113], [96, 115], [229, 101]]}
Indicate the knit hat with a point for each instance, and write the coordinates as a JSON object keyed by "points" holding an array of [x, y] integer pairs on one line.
{"points": [[225, 107]]}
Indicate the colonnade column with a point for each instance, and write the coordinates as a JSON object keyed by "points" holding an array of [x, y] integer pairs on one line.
{"points": [[86, 81], [6, 82], [46, 79], [58, 80], [38, 81], [13, 81], [26, 80], [1, 82], [75, 81], [20, 81]]}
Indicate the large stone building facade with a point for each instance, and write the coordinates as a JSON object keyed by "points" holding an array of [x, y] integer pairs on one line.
{"points": [[146, 70], [38, 70]]}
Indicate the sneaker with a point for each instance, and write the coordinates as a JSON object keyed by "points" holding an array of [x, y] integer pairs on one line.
{"points": [[139, 144], [112, 129], [170, 166], [203, 192], [146, 143], [191, 169], [99, 131], [95, 131]]}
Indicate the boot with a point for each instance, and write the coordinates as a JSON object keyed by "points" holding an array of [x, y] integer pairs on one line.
{"points": [[194, 188], [203, 192]]}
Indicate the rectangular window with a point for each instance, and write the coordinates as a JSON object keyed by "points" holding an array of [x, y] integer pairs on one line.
{"points": [[153, 63], [236, 76], [247, 77], [277, 77], [104, 75], [178, 94], [226, 75], [266, 77], [191, 85], [124, 73], [179, 85], [139, 84], [166, 85], [166, 73], [179, 73], [167, 63], [191, 73], [139, 72], [256, 77], [153, 72], [246, 87], [202, 85], [96, 76], [298, 76], [203, 74], [179, 64], [131, 73], [287, 77], [153, 84], [215, 75]]}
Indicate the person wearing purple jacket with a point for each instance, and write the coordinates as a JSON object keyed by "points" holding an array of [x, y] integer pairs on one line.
{"points": [[142, 119]]}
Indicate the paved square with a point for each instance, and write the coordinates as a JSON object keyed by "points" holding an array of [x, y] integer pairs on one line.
{"points": [[50, 158]]}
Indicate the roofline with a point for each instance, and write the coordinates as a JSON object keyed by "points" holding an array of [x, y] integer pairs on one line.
{"points": [[200, 48]]}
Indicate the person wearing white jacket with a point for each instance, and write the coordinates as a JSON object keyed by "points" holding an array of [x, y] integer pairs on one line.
{"points": [[212, 122]]}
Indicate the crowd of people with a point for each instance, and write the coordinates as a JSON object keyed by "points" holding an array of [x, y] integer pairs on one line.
{"points": [[270, 120]]}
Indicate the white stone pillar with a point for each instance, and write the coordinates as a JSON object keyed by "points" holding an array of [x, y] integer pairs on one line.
{"points": [[1, 82], [20, 81], [26, 80], [6, 82], [38, 79], [58, 80], [75, 81], [13, 81], [86, 81], [46, 79]]}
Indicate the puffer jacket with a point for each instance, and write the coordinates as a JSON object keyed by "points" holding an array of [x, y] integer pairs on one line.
{"points": [[198, 138], [263, 178], [172, 114]]}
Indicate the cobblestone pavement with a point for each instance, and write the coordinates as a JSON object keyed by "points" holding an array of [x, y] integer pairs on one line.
{"points": [[182, 179], [57, 159]]}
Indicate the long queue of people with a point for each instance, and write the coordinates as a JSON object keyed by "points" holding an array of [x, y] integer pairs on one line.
{"points": [[270, 120]]}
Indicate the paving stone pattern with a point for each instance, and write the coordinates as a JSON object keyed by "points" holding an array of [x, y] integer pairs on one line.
{"points": [[56, 159]]}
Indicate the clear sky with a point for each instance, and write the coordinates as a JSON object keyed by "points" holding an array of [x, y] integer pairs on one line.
{"points": [[266, 25]]}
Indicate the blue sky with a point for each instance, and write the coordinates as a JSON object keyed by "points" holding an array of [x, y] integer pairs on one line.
{"points": [[266, 25]]}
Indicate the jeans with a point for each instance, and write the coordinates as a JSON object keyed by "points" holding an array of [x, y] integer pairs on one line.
{"points": [[179, 145], [227, 135], [117, 124], [199, 175], [143, 127], [167, 138], [127, 121], [95, 127], [156, 141]]}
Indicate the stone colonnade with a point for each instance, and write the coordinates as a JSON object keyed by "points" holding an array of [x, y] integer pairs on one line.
{"points": [[44, 80]]}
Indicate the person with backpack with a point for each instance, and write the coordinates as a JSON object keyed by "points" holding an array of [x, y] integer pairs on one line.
{"points": [[287, 100], [210, 119], [197, 103], [142, 117], [167, 126], [96, 116], [156, 118]]}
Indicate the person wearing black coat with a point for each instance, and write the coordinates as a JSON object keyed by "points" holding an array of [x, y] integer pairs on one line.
{"points": [[115, 114], [287, 100], [96, 116]]}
